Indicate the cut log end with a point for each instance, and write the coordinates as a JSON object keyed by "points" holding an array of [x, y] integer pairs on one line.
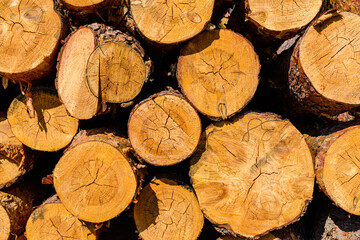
{"points": [[29, 37], [115, 72], [217, 79], [280, 18], [328, 56], [172, 21], [4, 224], [253, 174], [95, 181], [267, 237], [52, 221], [339, 170], [78, 4], [164, 130], [167, 210], [71, 75], [50, 130]]}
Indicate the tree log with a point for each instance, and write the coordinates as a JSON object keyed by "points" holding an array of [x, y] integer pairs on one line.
{"points": [[29, 39], [52, 221], [170, 22], [168, 210], [84, 7], [117, 69], [51, 128], [326, 60], [164, 129], [218, 80], [337, 167], [267, 237], [97, 178], [15, 158], [281, 19], [253, 174]]}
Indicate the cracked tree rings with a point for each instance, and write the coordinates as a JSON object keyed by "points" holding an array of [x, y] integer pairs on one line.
{"points": [[338, 168], [171, 21], [30, 32], [282, 19], [95, 179], [253, 174], [325, 64], [167, 210], [50, 130], [164, 129], [4, 224], [52, 221], [219, 80], [116, 72]]}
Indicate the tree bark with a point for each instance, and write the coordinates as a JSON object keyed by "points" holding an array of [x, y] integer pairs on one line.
{"points": [[347, 5], [253, 174], [15, 158], [30, 40], [164, 129], [51, 128], [169, 210], [97, 177], [219, 81]]}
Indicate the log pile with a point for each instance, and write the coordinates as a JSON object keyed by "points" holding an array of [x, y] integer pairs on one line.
{"points": [[179, 120]]}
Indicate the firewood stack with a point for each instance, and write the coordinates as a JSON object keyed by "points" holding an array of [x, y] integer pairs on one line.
{"points": [[179, 120]]}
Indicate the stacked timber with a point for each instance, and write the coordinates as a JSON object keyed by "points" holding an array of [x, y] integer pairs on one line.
{"points": [[156, 120]]}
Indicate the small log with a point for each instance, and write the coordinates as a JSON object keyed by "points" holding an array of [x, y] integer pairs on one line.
{"points": [[347, 5], [267, 237], [164, 129], [171, 22], [218, 80], [83, 7], [51, 221], [337, 167], [281, 19], [118, 67], [51, 128], [168, 210], [15, 158], [30, 38], [71, 75], [97, 177], [323, 70], [253, 174]]}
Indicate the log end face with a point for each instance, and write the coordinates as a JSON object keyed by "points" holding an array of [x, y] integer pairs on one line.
{"points": [[164, 130], [219, 81], [50, 130], [255, 174], [4, 224], [167, 210], [94, 181], [52, 221], [28, 39]]}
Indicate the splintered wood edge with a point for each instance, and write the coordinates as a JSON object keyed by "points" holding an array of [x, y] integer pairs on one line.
{"points": [[327, 56], [44, 132], [4, 224], [196, 165], [95, 181], [52, 220], [71, 74], [291, 17], [162, 204], [341, 170], [209, 54], [171, 23], [143, 115]]}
